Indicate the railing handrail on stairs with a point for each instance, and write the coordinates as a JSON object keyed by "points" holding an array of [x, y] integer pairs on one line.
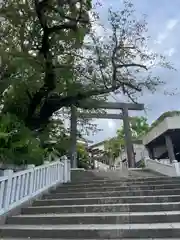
{"points": [[17, 188], [163, 167]]}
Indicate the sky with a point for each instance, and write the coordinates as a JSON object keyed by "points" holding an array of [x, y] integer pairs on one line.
{"points": [[164, 28]]}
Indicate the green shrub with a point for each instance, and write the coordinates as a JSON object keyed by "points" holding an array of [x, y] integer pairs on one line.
{"points": [[18, 145]]}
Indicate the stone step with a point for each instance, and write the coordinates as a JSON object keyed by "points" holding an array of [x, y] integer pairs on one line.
{"points": [[106, 200], [99, 180], [113, 193], [96, 218], [87, 180], [94, 239], [136, 207], [122, 183], [116, 188], [137, 172], [84, 178], [109, 231]]}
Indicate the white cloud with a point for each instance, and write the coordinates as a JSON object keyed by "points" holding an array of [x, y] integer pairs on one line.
{"points": [[109, 128], [111, 124], [170, 25], [161, 37], [169, 52]]}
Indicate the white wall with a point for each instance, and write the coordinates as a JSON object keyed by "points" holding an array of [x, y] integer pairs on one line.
{"points": [[171, 170], [165, 161], [141, 153], [166, 124], [173, 122], [100, 165], [155, 132]]}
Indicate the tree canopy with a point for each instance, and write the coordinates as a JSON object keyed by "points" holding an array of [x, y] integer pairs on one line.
{"points": [[139, 127], [18, 144], [51, 56]]}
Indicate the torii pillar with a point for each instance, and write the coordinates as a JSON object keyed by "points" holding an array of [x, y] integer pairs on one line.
{"points": [[105, 105], [128, 138], [73, 137]]}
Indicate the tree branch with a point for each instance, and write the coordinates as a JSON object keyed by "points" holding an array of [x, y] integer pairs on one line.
{"points": [[50, 78], [69, 25], [54, 103], [77, 19], [131, 65]]}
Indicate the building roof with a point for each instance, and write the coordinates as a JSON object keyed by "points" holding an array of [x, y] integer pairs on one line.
{"points": [[163, 116], [135, 141], [169, 121], [97, 144]]}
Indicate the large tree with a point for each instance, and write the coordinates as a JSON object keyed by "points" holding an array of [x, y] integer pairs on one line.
{"points": [[139, 127], [48, 64], [113, 148]]}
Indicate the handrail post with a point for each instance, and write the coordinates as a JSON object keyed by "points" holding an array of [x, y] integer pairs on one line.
{"points": [[65, 162], [69, 170], [176, 165], [31, 179], [46, 172], [7, 194]]}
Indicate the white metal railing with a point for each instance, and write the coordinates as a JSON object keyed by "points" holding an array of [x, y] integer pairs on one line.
{"points": [[165, 161], [19, 187], [163, 167]]}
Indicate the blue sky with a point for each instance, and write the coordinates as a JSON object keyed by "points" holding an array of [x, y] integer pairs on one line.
{"points": [[164, 28]]}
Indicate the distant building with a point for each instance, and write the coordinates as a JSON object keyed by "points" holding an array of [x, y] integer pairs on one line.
{"points": [[163, 140], [139, 150], [99, 146], [140, 153]]}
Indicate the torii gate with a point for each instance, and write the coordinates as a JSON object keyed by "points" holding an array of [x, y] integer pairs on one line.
{"points": [[125, 107]]}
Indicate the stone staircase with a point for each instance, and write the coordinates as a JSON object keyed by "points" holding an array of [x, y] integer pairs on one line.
{"points": [[96, 207]]}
